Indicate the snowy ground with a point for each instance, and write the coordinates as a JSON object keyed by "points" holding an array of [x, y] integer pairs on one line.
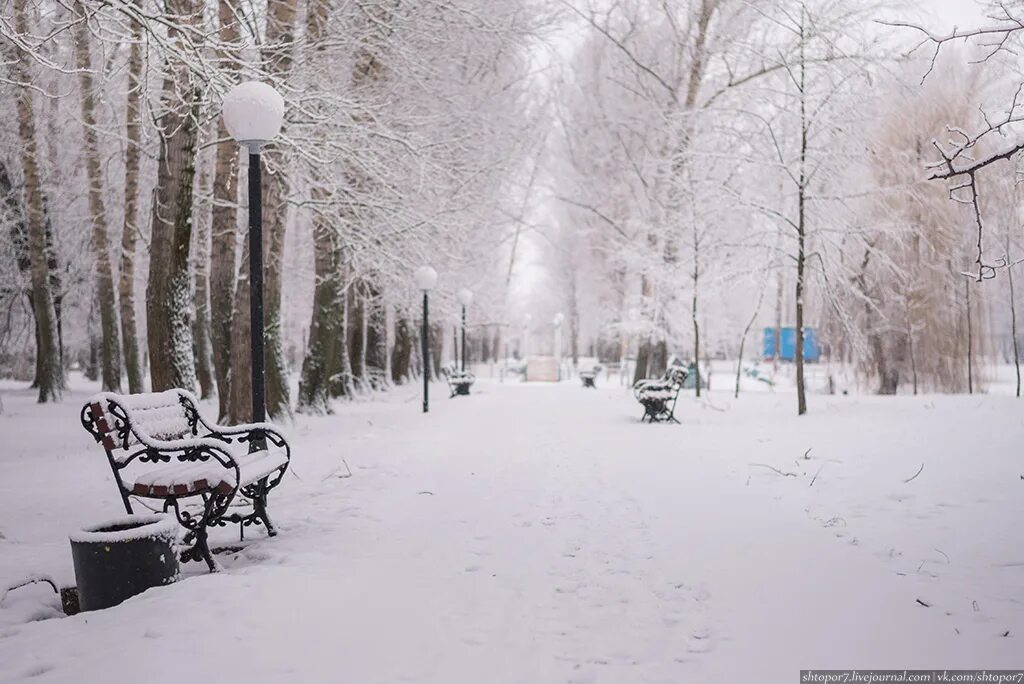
{"points": [[540, 533]]}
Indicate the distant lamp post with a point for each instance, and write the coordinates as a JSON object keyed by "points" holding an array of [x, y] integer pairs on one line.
{"points": [[558, 341], [253, 114], [466, 298], [426, 279]]}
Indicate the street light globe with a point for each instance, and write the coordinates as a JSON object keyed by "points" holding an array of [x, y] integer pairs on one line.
{"points": [[465, 296], [426, 278], [253, 112], [558, 319]]}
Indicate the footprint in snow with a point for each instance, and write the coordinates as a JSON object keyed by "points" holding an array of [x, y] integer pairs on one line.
{"points": [[699, 642]]}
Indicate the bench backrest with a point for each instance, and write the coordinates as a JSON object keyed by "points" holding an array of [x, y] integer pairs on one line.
{"points": [[122, 421], [676, 375]]}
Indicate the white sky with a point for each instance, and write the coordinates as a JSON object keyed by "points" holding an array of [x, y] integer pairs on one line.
{"points": [[944, 14]]}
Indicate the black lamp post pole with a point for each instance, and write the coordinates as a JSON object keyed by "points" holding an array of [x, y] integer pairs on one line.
{"points": [[426, 358], [463, 338], [259, 405]]}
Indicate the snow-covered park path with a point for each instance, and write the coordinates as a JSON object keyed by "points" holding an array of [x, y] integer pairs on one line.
{"points": [[540, 533]]}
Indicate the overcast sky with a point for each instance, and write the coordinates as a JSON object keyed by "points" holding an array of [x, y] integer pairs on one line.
{"points": [[948, 13]]}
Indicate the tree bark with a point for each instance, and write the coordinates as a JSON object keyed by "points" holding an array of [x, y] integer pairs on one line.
{"points": [[168, 294], [321, 364], [356, 336], [346, 386], [110, 347], [49, 372], [240, 405], [801, 255], [278, 58], [401, 355], [643, 351], [224, 229], [376, 339], [201, 294], [693, 310], [1013, 320], [970, 338], [129, 231]]}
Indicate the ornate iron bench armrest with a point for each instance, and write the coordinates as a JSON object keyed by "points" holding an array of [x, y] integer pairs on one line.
{"points": [[246, 432]]}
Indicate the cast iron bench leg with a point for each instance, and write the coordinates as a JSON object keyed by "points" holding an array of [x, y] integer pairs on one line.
{"points": [[259, 504]]}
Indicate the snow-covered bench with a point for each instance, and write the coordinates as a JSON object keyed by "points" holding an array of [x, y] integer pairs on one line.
{"points": [[459, 382], [588, 377], [658, 396], [160, 447]]}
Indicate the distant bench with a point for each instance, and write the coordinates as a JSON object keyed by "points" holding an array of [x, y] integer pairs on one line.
{"points": [[659, 396], [160, 447], [459, 382], [589, 376]]}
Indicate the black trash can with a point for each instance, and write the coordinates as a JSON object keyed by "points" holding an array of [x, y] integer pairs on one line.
{"points": [[121, 558]]}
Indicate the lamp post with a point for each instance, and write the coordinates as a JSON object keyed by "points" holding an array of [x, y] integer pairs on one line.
{"points": [[466, 298], [558, 341], [253, 114], [426, 279]]}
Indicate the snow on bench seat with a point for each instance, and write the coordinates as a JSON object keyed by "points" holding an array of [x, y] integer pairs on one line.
{"points": [[190, 478]]}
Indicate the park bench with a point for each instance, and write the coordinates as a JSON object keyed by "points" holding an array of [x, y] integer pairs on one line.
{"points": [[658, 396], [588, 377], [459, 381], [160, 447]]}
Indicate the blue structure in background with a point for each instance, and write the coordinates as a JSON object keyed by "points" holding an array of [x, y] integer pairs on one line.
{"points": [[812, 352]]}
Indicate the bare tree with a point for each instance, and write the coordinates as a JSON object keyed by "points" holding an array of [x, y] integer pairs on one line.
{"points": [[130, 229], [168, 294], [110, 349], [49, 372], [224, 224]]}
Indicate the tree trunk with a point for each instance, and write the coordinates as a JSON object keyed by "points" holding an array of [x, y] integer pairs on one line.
{"points": [[346, 387], [1013, 321], [168, 293], [910, 345], [356, 335], [240, 405], [93, 335], [643, 352], [224, 230], [321, 363], [278, 58], [970, 338], [693, 312], [801, 256], [201, 294], [658, 361], [18, 232], [436, 349], [375, 338], [129, 231], [111, 343], [49, 372], [401, 355]]}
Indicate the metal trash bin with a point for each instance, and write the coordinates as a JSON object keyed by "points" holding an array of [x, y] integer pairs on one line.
{"points": [[120, 558]]}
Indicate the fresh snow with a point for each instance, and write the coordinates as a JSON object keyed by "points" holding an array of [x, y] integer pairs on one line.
{"points": [[541, 533]]}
